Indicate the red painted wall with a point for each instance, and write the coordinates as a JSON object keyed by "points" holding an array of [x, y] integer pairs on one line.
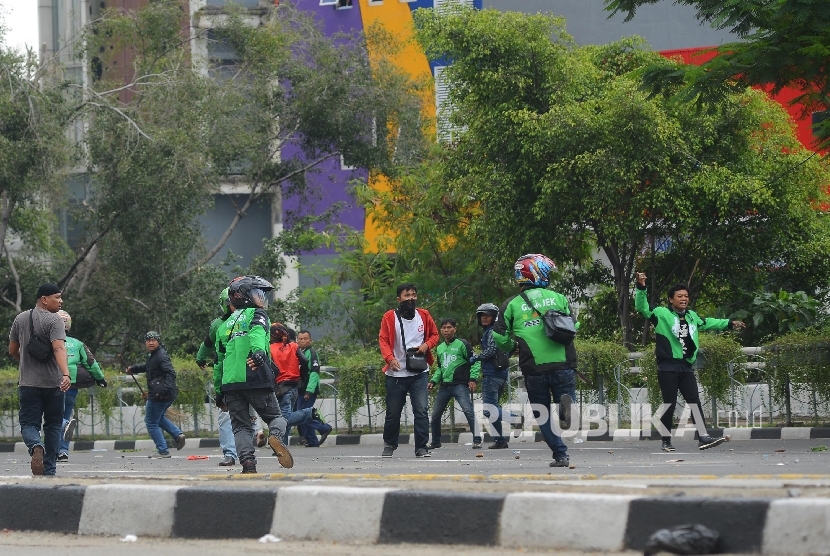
{"points": [[698, 56]]}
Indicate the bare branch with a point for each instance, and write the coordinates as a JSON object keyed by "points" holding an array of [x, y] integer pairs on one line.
{"points": [[253, 197], [123, 115], [85, 253]]}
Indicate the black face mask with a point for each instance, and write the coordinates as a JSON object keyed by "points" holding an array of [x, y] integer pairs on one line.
{"points": [[407, 308]]}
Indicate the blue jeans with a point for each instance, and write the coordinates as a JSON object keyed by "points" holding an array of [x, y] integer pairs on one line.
{"points": [[69, 398], [461, 392], [265, 404], [226, 441], [288, 402], [541, 390], [396, 390], [309, 431], [41, 406], [492, 389], [156, 421]]}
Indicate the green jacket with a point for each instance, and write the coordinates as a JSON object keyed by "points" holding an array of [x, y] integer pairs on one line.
{"points": [[207, 349], [77, 353], [244, 333], [452, 366], [537, 353], [666, 323], [310, 373]]}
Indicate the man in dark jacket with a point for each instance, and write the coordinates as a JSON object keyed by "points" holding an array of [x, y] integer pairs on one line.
{"points": [[495, 366], [161, 393]]}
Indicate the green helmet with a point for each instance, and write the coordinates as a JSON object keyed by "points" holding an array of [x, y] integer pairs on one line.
{"points": [[224, 301]]}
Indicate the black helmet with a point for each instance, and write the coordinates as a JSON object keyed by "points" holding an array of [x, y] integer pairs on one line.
{"points": [[487, 309], [249, 291]]}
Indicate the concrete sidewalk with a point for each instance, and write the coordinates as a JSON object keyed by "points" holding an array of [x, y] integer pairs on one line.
{"points": [[368, 515]]}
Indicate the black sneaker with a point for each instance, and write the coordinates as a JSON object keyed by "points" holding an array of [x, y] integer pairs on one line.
{"points": [[180, 440], [162, 455], [434, 445], [325, 434], [565, 411], [388, 452], [69, 430], [248, 467], [666, 446], [476, 445], [707, 442], [422, 453], [63, 458], [498, 445], [561, 462]]}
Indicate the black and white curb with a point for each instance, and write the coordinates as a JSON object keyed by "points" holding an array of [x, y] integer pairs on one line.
{"points": [[622, 435], [390, 516]]}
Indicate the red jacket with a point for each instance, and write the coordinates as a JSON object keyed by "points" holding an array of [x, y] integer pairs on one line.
{"points": [[285, 356], [389, 335]]}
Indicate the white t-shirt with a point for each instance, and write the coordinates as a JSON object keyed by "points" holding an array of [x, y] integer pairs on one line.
{"points": [[413, 331]]}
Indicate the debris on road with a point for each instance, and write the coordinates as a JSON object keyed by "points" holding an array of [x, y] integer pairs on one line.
{"points": [[692, 538], [192, 458], [269, 538], [479, 455], [780, 450], [129, 538]]}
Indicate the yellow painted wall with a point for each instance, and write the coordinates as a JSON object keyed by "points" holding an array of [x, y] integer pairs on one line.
{"points": [[396, 18]]}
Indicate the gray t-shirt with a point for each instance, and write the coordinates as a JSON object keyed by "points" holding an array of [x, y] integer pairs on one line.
{"points": [[49, 326]]}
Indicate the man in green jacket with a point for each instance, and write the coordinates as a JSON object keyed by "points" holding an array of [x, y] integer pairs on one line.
{"points": [[458, 379], [676, 328], [243, 373], [77, 354], [548, 366]]}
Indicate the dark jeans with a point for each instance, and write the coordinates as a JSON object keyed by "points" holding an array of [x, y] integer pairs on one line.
{"points": [[69, 398], [157, 421], [684, 381], [264, 402], [542, 390], [396, 390], [461, 392], [42, 406], [288, 402], [310, 430], [492, 389]]}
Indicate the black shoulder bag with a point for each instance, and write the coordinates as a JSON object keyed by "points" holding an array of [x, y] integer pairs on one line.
{"points": [[37, 347], [415, 362], [559, 326]]}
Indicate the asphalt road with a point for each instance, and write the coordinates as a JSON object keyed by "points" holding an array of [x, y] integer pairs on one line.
{"points": [[598, 459]]}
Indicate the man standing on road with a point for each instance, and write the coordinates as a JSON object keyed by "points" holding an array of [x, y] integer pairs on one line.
{"points": [[495, 366], [457, 378], [548, 366], [84, 372], [44, 376], [309, 389], [676, 328], [407, 336], [243, 373]]}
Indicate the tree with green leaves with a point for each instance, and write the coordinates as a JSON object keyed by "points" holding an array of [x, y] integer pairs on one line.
{"points": [[562, 152], [783, 43]]}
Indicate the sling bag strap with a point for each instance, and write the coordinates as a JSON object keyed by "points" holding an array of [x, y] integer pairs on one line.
{"points": [[403, 336]]}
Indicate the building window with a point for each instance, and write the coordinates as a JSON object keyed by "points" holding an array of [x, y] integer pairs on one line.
{"points": [[344, 165], [447, 132], [344, 4], [328, 2], [405, 1], [375, 2], [440, 4]]}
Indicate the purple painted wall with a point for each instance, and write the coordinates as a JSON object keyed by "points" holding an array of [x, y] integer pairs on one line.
{"points": [[328, 183]]}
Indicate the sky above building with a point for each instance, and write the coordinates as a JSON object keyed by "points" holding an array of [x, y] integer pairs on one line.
{"points": [[19, 19]]}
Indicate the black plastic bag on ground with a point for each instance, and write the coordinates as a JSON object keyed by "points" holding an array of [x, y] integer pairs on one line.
{"points": [[692, 538]]}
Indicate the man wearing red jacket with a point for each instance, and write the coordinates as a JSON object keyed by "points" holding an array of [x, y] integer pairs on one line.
{"points": [[406, 330]]}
